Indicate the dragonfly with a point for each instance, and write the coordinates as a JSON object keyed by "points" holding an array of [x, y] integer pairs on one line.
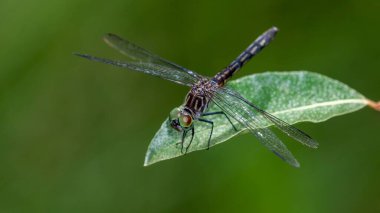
{"points": [[205, 91]]}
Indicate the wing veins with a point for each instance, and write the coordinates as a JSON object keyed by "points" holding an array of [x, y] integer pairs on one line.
{"points": [[135, 52], [289, 129], [231, 106], [152, 69]]}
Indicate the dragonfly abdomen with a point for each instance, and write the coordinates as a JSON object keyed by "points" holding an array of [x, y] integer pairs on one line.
{"points": [[255, 47]]}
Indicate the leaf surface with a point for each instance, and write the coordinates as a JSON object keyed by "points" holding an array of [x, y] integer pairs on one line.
{"points": [[294, 97]]}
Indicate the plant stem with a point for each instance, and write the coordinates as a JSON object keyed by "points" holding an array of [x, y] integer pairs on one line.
{"points": [[374, 105]]}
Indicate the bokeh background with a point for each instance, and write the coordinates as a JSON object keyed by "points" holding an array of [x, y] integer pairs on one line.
{"points": [[74, 133]]}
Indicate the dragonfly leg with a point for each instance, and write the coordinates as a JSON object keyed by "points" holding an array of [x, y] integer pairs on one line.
{"points": [[192, 137], [220, 113], [183, 140], [212, 129]]}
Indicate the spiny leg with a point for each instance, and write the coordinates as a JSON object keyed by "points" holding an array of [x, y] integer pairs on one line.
{"points": [[219, 113], [212, 129], [192, 137]]}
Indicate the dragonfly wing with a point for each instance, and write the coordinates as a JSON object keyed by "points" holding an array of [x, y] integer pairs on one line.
{"points": [[252, 120], [137, 53], [290, 130], [168, 73]]}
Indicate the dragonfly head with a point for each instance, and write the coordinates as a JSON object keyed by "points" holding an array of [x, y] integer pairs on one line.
{"points": [[180, 119]]}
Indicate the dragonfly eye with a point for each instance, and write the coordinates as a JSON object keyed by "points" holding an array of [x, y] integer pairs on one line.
{"points": [[174, 119], [185, 120], [174, 114]]}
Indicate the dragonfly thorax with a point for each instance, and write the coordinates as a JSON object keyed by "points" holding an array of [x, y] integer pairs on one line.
{"points": [[199, 96], [196, 102]]}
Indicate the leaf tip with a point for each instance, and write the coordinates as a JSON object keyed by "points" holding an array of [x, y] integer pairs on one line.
{"points": [[147, 160]]}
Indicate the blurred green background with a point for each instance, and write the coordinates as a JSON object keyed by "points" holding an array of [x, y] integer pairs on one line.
{"points": [[74, 133]]}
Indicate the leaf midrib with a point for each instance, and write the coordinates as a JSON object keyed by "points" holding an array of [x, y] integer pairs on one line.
{"points": [[322, 104]]}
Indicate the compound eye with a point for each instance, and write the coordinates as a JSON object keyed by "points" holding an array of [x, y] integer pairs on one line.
{"points": [[185, 120], [174, 114]]}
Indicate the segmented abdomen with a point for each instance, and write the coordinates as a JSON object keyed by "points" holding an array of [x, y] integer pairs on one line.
{"points": [[254, 48]]}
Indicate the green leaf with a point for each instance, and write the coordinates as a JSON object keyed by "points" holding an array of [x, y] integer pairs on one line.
{"points": [[291, 96]]}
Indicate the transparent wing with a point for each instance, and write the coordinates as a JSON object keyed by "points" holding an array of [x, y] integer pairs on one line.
{"points": [[138, 53], [290, 130], [254, 121], [144, 61], [164, 72]]}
